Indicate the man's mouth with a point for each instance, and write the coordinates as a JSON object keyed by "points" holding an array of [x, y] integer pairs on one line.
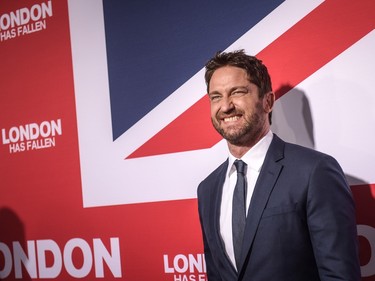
{"points": [[231, 119]]}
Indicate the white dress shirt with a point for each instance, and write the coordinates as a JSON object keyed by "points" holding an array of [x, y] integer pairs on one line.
{"points": [[254, 159]]}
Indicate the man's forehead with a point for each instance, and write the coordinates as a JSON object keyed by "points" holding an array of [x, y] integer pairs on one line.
{"points": [[225, 75]]}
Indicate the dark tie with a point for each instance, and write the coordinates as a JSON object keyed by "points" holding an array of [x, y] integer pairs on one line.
{"points": [[239, 210]]}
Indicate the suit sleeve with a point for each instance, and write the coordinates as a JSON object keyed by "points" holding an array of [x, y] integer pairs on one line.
{"points": [[332, 223]]}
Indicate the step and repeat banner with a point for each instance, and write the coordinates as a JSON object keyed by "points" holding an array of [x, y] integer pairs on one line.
{"points": [[106, 133]]}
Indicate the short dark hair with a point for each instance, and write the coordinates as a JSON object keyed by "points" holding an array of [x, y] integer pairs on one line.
{"points": [[256, 71]]}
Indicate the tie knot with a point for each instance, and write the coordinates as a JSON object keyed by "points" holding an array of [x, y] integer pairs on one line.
{"points": [[240, 166]]}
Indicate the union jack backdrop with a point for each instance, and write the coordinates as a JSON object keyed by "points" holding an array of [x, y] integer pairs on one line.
{"points": [[106, 131]]}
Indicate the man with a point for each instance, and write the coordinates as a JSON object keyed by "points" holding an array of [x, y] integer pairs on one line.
{"points": [[298, 216]]}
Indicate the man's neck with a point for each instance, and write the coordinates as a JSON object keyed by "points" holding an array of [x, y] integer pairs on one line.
{"points": [[240, 150]]}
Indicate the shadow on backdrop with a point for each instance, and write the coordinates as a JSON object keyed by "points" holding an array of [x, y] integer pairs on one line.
{"points": [[292, 121], [11, 229], [292, 118]]}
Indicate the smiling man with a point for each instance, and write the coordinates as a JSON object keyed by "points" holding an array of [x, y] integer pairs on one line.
{"points": [[272, 210]]}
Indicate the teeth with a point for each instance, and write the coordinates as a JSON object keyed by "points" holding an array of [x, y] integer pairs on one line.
{"points": [[231, 119]]}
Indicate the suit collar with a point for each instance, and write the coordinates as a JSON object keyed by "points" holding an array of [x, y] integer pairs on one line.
{"points": [[254, 158]]}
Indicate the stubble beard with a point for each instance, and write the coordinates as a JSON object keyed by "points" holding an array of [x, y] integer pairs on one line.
{"points": [[246, 134]]}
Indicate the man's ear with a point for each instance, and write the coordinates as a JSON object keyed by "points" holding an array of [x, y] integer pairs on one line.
{"points": [[268, 102]]}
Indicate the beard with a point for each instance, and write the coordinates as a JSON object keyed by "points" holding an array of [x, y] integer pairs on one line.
{"points": [[246, 133]]}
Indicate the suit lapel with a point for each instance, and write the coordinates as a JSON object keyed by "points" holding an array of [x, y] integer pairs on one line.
{"points": [[266, 181], [217, 194]]}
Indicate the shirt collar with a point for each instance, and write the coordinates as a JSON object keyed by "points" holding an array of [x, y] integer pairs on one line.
{"points": [[254, 158]]}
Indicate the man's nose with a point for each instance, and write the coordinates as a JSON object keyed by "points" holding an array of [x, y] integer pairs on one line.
{"points": [[227, 104]]}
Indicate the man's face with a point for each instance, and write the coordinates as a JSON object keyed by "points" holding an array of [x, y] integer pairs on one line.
{"points": [[237, 112]]}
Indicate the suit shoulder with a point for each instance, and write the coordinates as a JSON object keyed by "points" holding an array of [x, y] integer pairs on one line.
{"points": [[305, 151], [305, 156], [216, 173], [298, 154], [213, 177]]}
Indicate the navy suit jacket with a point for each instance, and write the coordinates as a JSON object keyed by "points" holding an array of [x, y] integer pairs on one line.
{"points": [[300, 224]]}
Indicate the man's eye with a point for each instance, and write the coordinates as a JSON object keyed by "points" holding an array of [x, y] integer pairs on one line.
{"points": [[214, 97], [238, 93]]}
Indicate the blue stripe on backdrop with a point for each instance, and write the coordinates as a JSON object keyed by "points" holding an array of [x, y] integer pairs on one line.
{"points": [[153, 47]]}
